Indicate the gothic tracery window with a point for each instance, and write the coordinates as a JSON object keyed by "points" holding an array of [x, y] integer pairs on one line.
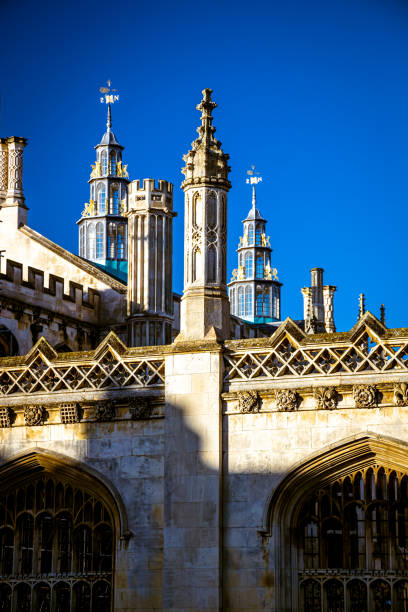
{"points": [[56, 549], [353, 544]]}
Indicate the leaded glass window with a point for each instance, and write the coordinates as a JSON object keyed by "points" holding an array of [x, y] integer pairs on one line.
{"points": [[115, 201], [112, 241], [249, 265], [352, 544], [259, 266], [91, 243], [102, 199], [241, 302], [104, 162], [251, 234], [121, 248], [99, 241], [113, 163], [248, 301], [258, 235], [259, 303], [56, 549]]}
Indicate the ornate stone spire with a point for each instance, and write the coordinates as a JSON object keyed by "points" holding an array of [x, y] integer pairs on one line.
{"points": [[205, 162], [205, 305]]}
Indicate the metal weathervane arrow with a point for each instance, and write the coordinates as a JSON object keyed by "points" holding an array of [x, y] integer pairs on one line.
{"points": [[109, 96], [254, 179]]}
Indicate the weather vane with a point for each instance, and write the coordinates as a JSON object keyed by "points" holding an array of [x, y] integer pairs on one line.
{"points": [[109, 96], [254, 179]]}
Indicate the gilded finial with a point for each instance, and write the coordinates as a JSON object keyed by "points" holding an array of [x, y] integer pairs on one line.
{"points": [[361, 305]]}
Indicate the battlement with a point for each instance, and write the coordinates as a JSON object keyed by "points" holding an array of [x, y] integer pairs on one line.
{"points": [[150, 195], [16, 283], [149, 185]]}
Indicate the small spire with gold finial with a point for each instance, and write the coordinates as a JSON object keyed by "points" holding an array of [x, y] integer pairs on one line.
{"points": [[109, 98]]}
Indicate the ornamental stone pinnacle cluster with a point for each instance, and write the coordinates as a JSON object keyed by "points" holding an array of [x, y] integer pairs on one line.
{"points": [[206, 162], [205, 304]]}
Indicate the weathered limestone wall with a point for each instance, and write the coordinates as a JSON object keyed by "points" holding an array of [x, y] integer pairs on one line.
{"points": [[192, 502], [26, 247], [259, 451], [50, 292], [130, 455]]}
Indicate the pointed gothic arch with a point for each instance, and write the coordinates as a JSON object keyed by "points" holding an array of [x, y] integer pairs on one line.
{"points": [[58, 517], [285, 510]]}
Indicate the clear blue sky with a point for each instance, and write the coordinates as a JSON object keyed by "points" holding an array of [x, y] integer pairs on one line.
{"points": [[314, 93]]}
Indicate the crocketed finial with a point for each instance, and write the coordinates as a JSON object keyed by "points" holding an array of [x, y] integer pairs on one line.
{"points": [[361, 305], [206, 106]]}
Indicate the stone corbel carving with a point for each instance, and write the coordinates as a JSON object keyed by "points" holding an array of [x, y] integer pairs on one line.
{"points": [[365, 396], [34, 415], [287, 399], [326, 398], [248, 401], [140, 409], [401, 394], [105, 411]]}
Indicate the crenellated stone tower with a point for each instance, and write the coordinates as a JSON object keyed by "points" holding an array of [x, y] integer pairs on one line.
{"points": [[205, 305], [254, 290], [103, 227], [150, 294]]}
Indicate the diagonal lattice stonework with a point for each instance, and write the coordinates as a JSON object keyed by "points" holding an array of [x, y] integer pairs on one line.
{"points": [[110, 366], [362, 351]]}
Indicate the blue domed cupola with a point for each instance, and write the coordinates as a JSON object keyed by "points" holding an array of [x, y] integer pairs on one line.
{"points": [[103, 226], [254, 289]]}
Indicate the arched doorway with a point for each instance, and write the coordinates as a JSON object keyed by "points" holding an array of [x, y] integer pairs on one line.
{"points": [[339, 526], [58, 527]]}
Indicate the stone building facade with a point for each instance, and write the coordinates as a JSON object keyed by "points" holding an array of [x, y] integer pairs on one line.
{"points": [[237, 468]]}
